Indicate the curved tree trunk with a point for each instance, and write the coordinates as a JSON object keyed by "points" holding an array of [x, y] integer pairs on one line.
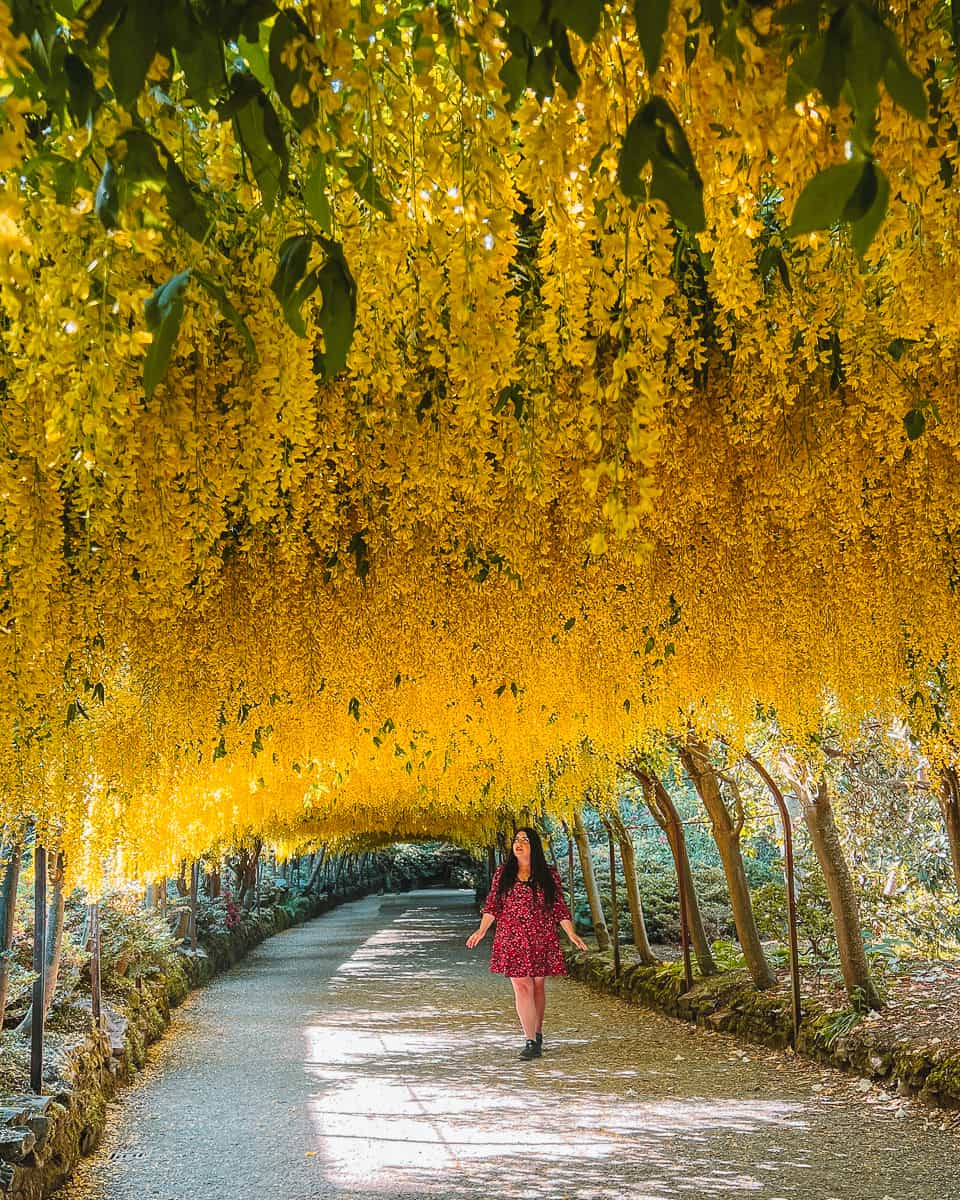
{"points": [[818, 815], [695, 757], [950, 807], [628, 855], [660, 803], [590, 884], [9, 878]]}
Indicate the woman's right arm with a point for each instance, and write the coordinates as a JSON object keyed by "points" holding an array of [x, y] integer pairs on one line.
{"points": [[478, 935], [491, 910]]}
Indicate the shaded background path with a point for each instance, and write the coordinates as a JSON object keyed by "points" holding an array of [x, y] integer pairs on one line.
{"points": [[369, 1053]]}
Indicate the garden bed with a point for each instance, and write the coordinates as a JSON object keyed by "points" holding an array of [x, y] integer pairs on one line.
{"points": [[912, 1045]]}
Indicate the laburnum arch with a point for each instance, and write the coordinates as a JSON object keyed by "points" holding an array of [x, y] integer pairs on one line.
{"points": [[410, 459]]}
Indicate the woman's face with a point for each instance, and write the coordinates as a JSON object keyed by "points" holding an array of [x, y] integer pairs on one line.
{"points": [[521, 847]]}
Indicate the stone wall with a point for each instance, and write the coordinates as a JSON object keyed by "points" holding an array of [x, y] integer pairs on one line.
{"points": [[729, 1003], [43, 1137]]}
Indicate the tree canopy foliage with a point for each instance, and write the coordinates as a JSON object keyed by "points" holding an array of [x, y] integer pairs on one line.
{"points": [[410, 409]]}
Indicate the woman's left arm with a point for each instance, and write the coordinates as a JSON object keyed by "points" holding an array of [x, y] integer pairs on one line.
{"points": [[575, 938], [561, 914]]}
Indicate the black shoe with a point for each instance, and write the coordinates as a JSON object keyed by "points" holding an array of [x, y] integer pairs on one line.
{"points": [[530, 1050], [540, 1039]]}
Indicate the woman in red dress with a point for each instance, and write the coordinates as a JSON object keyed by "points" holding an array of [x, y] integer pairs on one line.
{"points": [[526, 901]]}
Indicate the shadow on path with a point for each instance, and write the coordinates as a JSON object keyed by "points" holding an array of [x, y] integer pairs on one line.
{"points": [[370, 1054]]}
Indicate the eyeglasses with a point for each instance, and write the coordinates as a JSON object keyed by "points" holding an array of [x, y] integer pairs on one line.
{"points": [[522, 838]]}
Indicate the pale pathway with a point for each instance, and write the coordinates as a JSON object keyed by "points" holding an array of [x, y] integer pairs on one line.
{"points": [[369, 1053]]}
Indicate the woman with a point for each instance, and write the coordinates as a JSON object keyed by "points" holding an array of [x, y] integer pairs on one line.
{"points": [[526, 901]]}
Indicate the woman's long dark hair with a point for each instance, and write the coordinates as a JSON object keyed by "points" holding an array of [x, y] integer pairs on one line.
{"points": [[541, 876]]}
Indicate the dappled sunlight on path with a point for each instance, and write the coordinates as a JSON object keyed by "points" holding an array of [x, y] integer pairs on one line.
{"points": [[370, 1054], [430, 1098]]}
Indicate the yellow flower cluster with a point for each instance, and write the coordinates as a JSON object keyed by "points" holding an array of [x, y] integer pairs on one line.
{"points": [[586, 478]]}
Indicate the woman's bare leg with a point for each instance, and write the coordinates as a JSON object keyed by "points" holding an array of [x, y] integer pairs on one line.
{"points": [[539, 999], [526, 1005]]}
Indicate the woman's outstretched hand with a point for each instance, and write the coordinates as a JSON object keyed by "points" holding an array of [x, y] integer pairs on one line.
{"points": [[475, 938], [578, 941]]}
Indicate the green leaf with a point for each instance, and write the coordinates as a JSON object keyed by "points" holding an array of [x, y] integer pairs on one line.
{"points": [[681, 191], [229, 311], [200, 53], [516, 67], [141, 162], [915, 424], [100, 21], [567, 75], [899, 346], [106, 202], [651, 17], [83, 98], [833, 66], [164, 312], [358, 548], [287, 27], [569, 623], [863, 195], [639, 147], [294, 254], [525, 15], [905, 88], [365, 183], [132, 45], [822, 202], [292, 285], [66, 176], [353, 708], [655, 136], [183, 205], [864, 228], [540, 73], [256, 58], [866, 59], [582, 16], [339, 313], [315, 196], [806, 71], [260, 133]]}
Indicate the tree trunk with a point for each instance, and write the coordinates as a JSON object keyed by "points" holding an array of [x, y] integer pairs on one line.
{"points": [[590, 884], [247, 874], [660, 803], [314, 879], [9, 878], [54, 939], [628, 855], [950, 807], [183, 887], [726, 833], [827, 844]]}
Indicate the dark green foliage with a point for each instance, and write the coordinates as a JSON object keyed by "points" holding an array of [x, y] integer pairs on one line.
{"points": [[655, 136]]}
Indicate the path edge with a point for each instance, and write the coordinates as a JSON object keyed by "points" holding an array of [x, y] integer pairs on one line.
{"points": [[43, 1138]]}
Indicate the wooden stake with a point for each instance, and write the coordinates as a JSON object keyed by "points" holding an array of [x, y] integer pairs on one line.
{"points": [[39, 965], [96, 997]]}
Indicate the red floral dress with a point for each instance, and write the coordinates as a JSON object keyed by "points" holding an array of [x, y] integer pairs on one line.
{"points": [[525, 941]]}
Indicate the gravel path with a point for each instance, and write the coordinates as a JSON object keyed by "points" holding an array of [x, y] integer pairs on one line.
{"points": [[371, 1054]]}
